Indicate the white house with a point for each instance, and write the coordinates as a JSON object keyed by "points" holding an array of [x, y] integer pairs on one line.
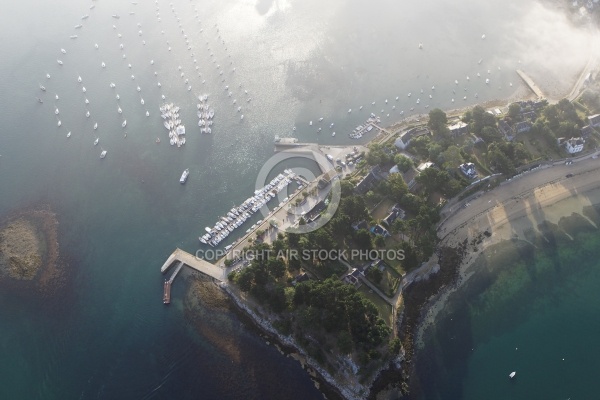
{"points": [[574, 145]]}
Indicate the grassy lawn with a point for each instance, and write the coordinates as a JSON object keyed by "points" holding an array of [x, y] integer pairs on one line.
{"points": [[385, 310], [382, 209], [327, 270], [389, 281], [538, 147]]}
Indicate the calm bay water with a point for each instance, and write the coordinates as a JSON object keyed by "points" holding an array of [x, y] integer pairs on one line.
{"points": [[110, 336], [530, 310]]}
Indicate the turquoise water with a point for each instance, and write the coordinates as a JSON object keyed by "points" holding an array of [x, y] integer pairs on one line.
{"points": [[108, 334], [535, 311]]}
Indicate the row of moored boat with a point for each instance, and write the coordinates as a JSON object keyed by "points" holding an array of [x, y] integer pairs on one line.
{"points": [[238, 215]]}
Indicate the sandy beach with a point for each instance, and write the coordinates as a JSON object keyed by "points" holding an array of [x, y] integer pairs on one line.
{"points": [[511, 209]]}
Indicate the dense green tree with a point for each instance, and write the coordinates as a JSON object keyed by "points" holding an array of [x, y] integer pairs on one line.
{"points": [[437, 121], [398, 188], [379, 241], [375, 275], [514, 111], [346, 188], [451, 158], [419, 146], [362, 237], [490, 134], [480, 118], [404, 163]]}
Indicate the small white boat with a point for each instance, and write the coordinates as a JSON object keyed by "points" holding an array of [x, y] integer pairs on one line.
{"points": [[95, 126], [96, 45], [158, 84], [59, 123], [79, 79], [83, 89], [63, 51], [151, 62], [69, 134], [349, 110], [333, 134], [119, 110], [483, 36], [124, 123], [112, 85], [512, 374], [132, 77], [118, 97], [103, 154], [96, 141], [56, 96], [78, 26], [420, 45], [73, 36], [139, 89], [147, 114], [59, 62], [87, 101], [142, 101], [87, 114], [103, 65], [56, 111], [48, 76], [242, 116]]}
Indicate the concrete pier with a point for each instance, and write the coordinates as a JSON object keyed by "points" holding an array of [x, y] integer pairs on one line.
{"points": [[196, 263], [531, 84]]}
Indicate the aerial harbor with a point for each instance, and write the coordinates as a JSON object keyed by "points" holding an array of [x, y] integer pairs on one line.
{"points": [[398, 206]]}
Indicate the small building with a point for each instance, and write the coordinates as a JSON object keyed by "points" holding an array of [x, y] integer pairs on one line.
{"points": [[521, 127], [423, 166], [360, 225], [594, 120], [353, 277], [365, 184], [395, 213], [574, 145], [303, 277], [405, 137], [468, 169], [586, 131], [505, 130], [380, 230], [458, 128]]}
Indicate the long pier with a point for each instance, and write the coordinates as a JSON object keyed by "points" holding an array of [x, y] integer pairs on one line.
{"points": [[195, 263], [168, 283], [531, 84]]}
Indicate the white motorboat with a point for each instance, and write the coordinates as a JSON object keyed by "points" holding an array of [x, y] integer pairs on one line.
{"points": [[87, 114], [87, 101], [147, 114], [118, 97], [139, 89], [184, 175], [83, 89], [86, 16], [56, 111], [124, 123], [69, 134], [48, 76], [96, 141], [112, 85], [103, 154], [119, 110], [96, 45], [95, 126], [59, 123], [79, 79], [512, 374], [103, 65], [142, 101], [158, 84], [73, 36], [63, 51], [78, 26], [333, 134], [56, 96], [59, 62]]}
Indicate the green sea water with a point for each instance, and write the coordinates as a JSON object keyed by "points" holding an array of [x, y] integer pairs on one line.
{"points": [[533, 308]]}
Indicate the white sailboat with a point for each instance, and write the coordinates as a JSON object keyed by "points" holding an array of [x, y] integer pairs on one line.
{"points": [[96, 141]]}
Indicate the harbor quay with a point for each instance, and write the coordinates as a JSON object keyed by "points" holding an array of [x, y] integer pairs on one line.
{"points": [[284, 216]]}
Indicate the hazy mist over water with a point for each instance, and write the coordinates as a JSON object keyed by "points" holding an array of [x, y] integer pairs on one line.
{"points": [[122, 216]]}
